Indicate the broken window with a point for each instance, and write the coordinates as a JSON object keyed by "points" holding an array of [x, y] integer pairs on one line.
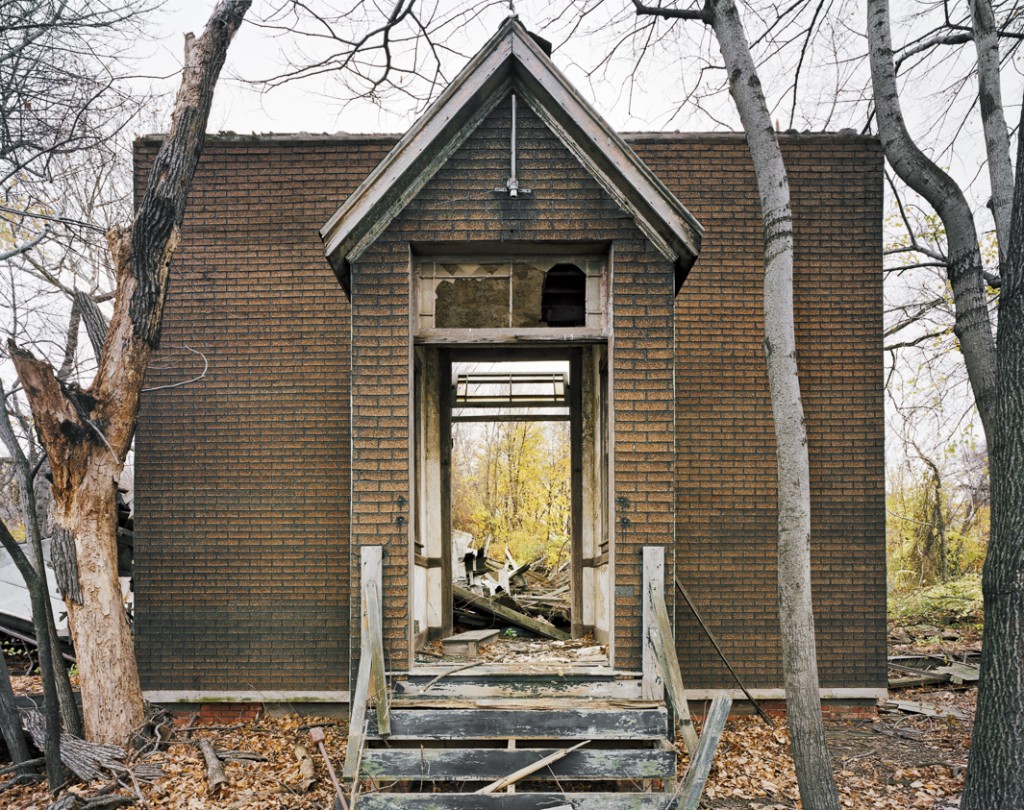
{"points": [[518, 295], [564, 298]]}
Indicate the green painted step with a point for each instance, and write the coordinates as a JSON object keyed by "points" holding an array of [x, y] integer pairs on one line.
{"points": [[490, 764], [515, 801], [501, 724]]}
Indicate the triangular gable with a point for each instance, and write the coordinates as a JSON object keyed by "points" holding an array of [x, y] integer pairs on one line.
{"points": [[511, 60]]}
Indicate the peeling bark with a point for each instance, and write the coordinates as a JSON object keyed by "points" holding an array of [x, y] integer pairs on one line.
{"points": [[87, 433], [799, 653]]}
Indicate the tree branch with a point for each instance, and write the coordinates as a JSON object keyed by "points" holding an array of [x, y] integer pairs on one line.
{"points": [[702, 14]]}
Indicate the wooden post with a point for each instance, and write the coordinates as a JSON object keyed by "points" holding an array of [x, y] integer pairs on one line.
{"points": [[700, 762], [652, 686], [371, 646], [370, 670], [660, 639]]}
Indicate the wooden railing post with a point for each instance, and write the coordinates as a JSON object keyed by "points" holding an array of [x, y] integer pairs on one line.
{"points": [[660, 658], [370, 680], [652, 686]]}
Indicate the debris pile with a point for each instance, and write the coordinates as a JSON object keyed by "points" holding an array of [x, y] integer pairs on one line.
{"points": [[529, 596], [927, 669]]}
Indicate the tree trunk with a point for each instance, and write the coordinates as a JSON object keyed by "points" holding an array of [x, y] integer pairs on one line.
{"points": [[39, 595], [87, 434], [10, 720], [973, 327], [108, 676], [799, 654], [995, 772], [43, 622], [990, 100], [45, 625]]}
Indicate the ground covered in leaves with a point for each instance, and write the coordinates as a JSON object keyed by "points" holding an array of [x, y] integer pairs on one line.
{"points": [[893, 761]]}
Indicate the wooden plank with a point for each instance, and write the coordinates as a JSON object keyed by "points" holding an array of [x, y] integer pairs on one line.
{"points": [[960, 673], [526, 687], [545, 704], [512, 801], [378, 680], [468, 643], [370, 567], [551, 724], [652, 685], [668, 661], [700, 763], [927, 709], [531, 768], [357, 721], [477, 764], [492, 608]]}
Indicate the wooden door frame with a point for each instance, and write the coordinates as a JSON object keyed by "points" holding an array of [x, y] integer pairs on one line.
{"points": [[447, 357]]}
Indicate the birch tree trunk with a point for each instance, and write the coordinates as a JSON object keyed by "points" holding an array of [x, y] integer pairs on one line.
{"points": [[87, 434], [995, 773], [799, 653]]}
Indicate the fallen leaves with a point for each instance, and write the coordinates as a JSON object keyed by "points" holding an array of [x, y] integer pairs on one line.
{"points": [[893, 762], [251, 784]]}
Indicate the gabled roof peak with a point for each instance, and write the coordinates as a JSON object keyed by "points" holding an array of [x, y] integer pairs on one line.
{"points": [[513, 59]]}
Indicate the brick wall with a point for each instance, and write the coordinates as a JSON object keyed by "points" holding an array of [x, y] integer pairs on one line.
{"points": [[242, 569], [459, 206], [243, 563], [725, 498]]}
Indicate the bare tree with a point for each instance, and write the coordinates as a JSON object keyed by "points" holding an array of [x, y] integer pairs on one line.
{"points": [[995, 776], [87, 433], [799, 653]]}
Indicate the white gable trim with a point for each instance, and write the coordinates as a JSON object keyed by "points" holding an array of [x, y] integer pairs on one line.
{"points": [[511, 58]]}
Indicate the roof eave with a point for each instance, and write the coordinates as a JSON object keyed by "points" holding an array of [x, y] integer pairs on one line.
{"points": [[510, 56]]}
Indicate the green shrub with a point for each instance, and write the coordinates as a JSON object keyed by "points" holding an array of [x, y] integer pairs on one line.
{"points": [[947, 603]]}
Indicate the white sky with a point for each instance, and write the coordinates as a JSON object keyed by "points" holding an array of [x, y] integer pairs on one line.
{"points": [[315, 106]]}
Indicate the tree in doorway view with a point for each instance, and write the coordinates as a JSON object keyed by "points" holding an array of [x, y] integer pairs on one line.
{"points": [[511, 486]]}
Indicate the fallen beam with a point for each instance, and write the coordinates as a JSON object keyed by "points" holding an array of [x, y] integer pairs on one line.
{"points": [[700, 764], [489, 606]]}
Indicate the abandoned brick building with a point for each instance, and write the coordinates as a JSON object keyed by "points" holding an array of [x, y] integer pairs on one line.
{"points": [[509, 225]]}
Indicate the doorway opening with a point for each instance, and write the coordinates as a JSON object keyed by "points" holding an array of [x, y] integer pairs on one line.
{"points": [[511, 491], [511, 477]]}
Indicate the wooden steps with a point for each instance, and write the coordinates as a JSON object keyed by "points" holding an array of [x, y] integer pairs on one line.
{"points": [[490, 681], [514, 801], [483, 764], [458, 745], [541, 723]]}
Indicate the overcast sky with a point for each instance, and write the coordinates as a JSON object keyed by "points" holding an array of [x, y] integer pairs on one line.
{"points": [[319, 105]]}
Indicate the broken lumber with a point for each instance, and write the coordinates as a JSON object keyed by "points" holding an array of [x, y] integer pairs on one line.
{"points": [[522, 773], [489, 606], [700, 765], [215, 776], [926, 709]]}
